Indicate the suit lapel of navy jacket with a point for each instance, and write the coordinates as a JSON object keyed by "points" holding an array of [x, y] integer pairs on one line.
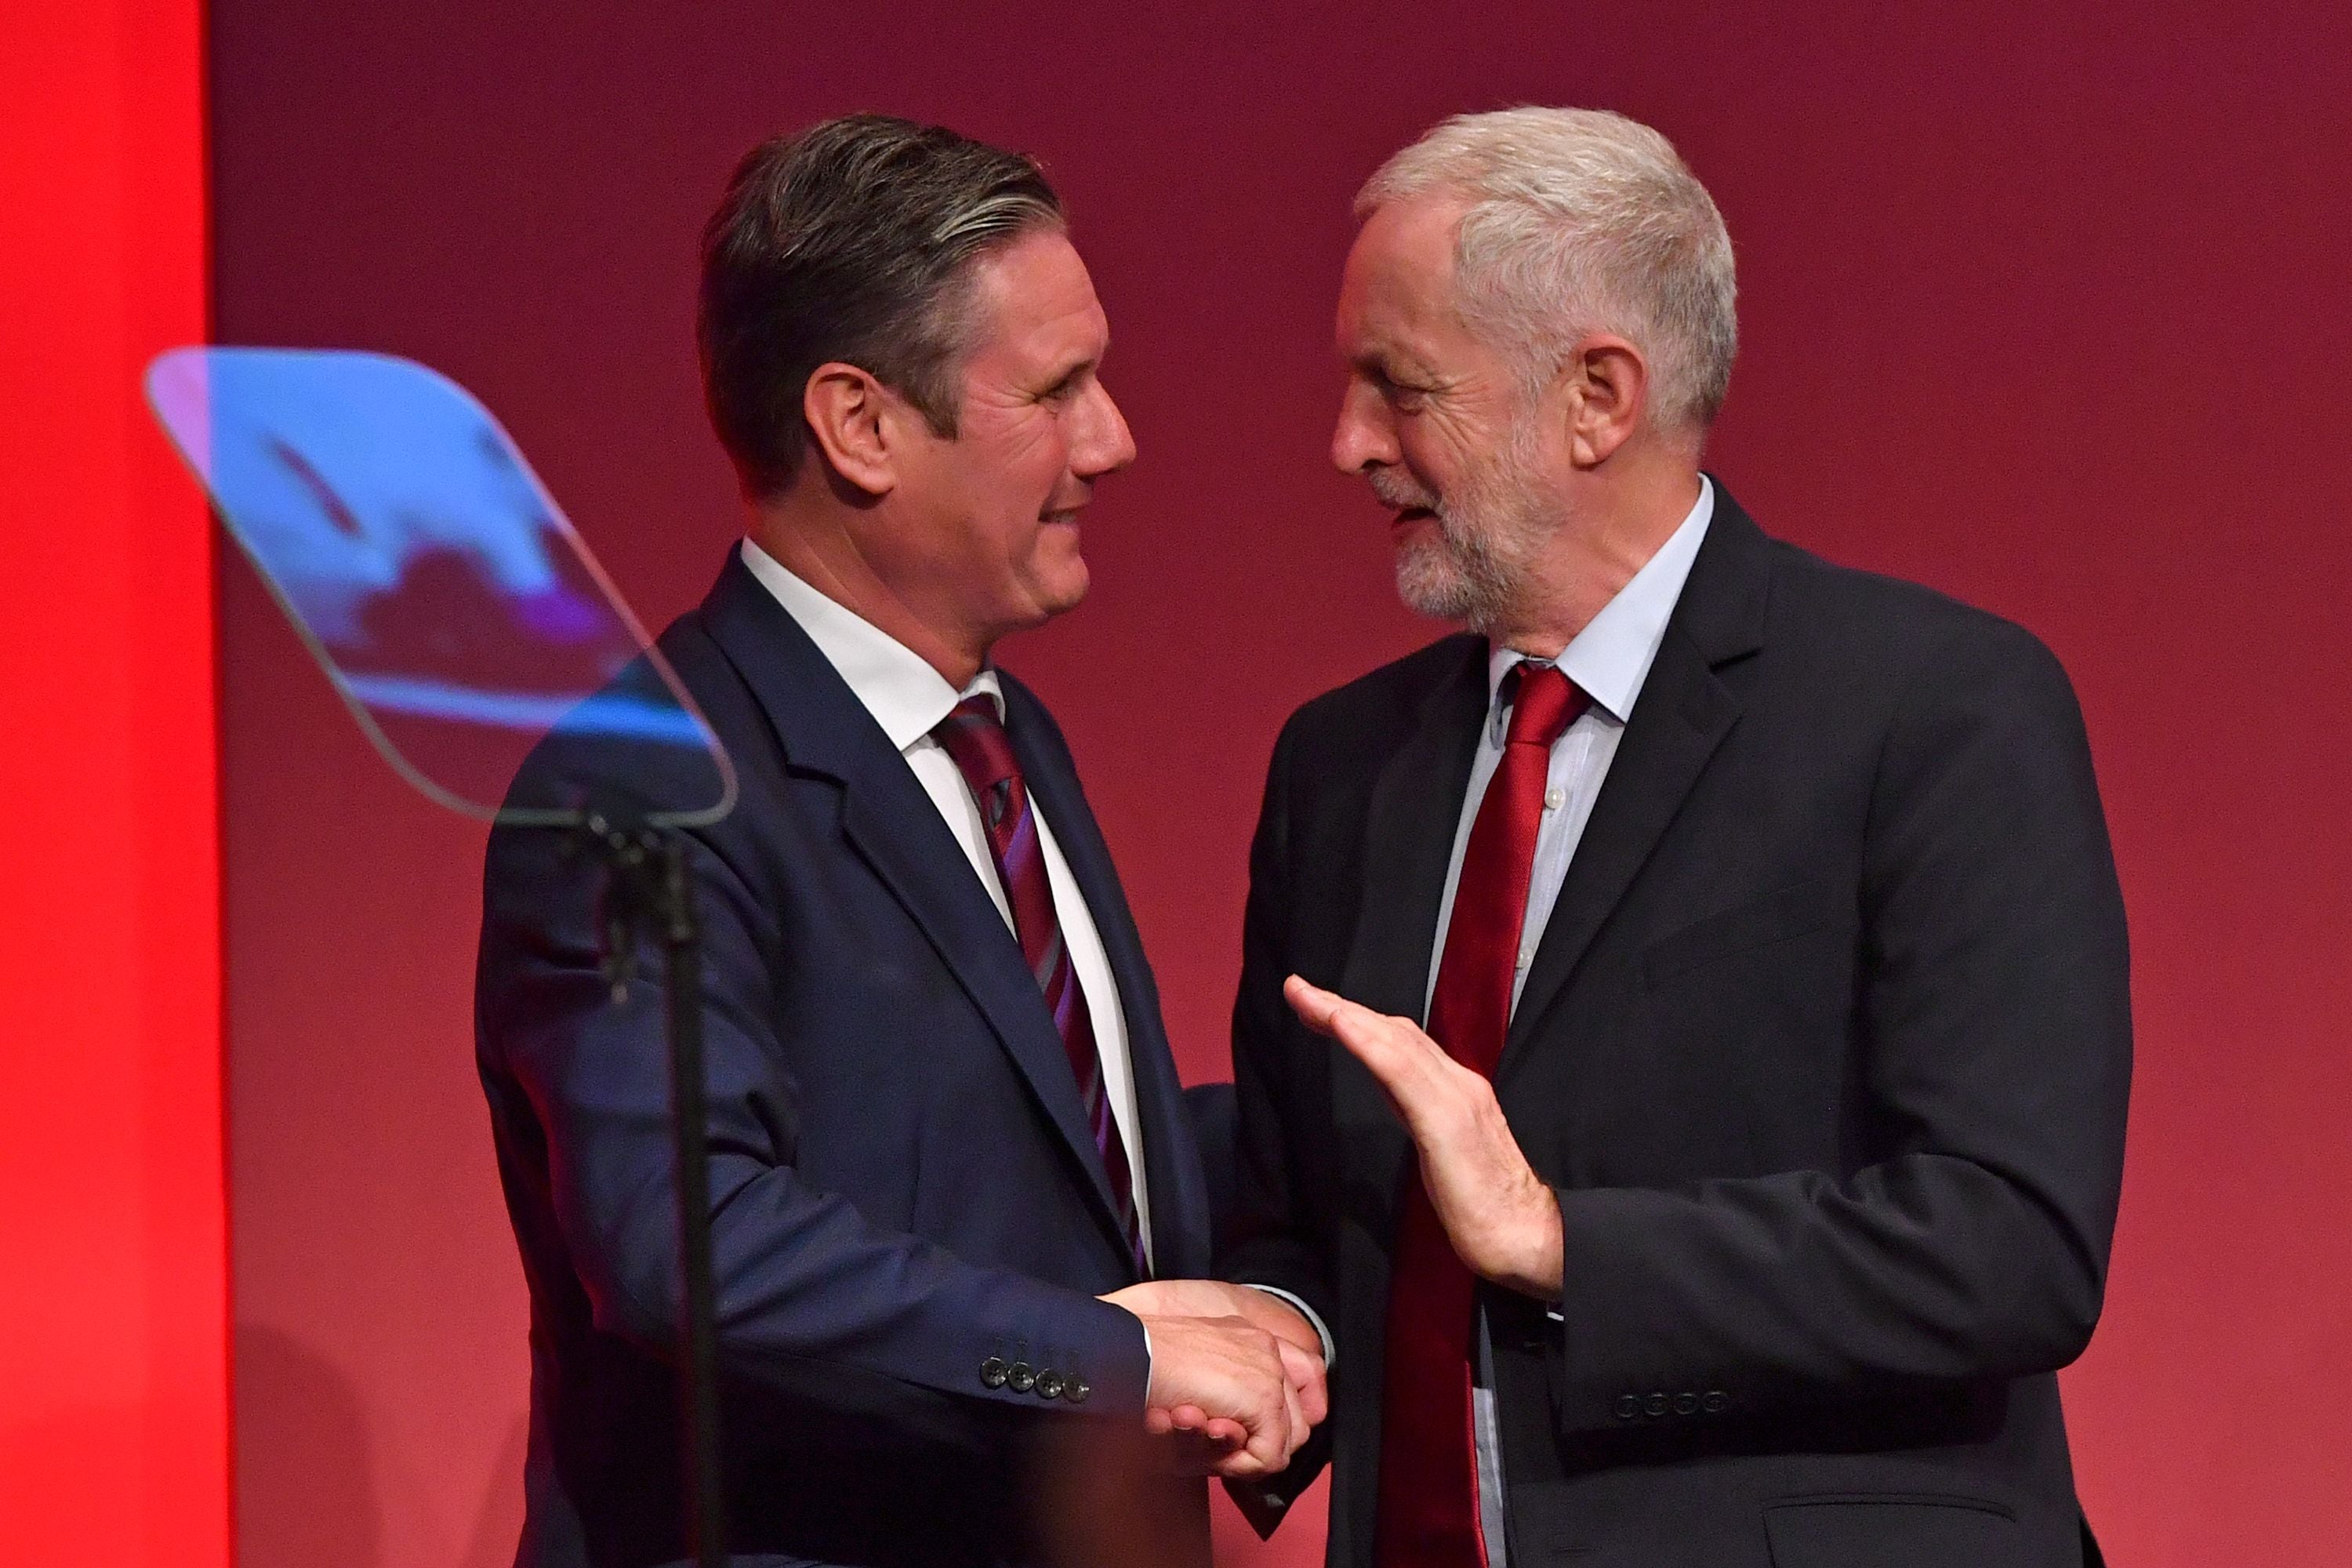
{"points": [[887, 818], [1683, 713], [1172, 1159], [1409, 828]]}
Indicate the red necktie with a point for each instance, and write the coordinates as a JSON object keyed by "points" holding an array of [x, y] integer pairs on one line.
{"points": [[983, 752], [1428, 1508]]}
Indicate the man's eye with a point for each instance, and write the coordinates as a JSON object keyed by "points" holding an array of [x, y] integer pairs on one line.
{"points": [[1403, 394]]}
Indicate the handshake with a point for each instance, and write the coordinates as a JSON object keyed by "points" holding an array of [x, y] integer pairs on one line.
{"points": [[1236, 1374]]}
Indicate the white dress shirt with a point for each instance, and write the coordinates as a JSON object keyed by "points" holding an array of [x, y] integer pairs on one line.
{"points": [[1608, 660], [908, 698]]}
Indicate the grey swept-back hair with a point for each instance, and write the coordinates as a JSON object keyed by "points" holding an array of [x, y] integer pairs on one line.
{"points": [[1582, 221], [853, 241]]}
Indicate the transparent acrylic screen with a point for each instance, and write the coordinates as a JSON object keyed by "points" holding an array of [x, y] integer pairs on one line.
{"points": [[446, 597]]}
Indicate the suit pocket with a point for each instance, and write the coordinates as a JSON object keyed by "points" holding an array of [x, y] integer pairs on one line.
{"points": [[1891, 1531], [1796, 909]]}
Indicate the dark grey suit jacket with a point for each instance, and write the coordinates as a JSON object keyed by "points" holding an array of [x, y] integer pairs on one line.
{"points": [[1825, 1047]]}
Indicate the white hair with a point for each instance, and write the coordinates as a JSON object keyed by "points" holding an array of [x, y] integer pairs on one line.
{"points": [[1582, 221]]}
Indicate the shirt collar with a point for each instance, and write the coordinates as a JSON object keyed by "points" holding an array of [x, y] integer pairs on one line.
{"points": [[1610, 659], [906, 696]]}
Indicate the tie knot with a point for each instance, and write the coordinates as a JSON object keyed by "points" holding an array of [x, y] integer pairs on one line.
{"points": [[1546, 703], [975, 737]]}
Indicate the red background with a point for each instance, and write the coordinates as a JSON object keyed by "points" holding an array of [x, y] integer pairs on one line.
{"points": [[114, 1379], [2044, 305]]}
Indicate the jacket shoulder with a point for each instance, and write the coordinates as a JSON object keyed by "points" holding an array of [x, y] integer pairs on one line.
{"points": [[579, 762], [1386, 702], [1902, 630]]}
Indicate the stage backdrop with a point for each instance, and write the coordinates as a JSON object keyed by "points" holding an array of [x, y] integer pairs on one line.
{"points": [[114, 1376], [2044, 305]]}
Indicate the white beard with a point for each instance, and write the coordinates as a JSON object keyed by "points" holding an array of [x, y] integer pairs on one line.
{"points": [[1475, 568]]}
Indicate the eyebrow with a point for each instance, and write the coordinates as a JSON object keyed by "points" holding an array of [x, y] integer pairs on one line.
{"points": [[1079, 367], [1388, 357]]}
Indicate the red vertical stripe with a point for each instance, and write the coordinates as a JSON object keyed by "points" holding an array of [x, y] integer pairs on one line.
{"points": [[114, 1295]]}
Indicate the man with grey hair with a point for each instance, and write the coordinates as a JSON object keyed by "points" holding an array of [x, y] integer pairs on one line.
{"points": [[947, 1138], [1683, 1035]]}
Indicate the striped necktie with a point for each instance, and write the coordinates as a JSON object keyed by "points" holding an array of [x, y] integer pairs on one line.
{"points": [[975, 737]]}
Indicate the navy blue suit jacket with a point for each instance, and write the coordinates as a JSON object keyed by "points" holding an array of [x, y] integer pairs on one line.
{"points": [[904, 1187]]}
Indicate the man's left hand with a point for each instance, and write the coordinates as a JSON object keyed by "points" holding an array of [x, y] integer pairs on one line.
{"points": [[1503, 1220]]}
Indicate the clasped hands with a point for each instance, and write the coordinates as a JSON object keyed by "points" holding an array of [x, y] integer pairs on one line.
{"points": [[1237, 1373]]}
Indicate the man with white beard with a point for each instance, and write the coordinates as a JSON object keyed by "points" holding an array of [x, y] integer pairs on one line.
{"points": [[1683, 1034]]}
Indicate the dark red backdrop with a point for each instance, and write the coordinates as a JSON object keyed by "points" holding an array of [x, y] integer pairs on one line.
{"points": [[2044, 306]]}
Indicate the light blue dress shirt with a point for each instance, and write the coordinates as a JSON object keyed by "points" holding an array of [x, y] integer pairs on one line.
{"points": [[1608, 660]]}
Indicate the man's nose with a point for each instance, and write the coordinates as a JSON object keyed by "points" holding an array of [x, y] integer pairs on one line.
{"points": [[1363, 435], [1106, 444]]}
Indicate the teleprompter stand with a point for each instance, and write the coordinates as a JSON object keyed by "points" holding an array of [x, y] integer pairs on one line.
{"points": [[464, 623], [647, 888]]}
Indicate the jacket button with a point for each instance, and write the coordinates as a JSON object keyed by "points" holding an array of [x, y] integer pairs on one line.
{"points": [[1654, 1405], [992, 1371], [1049, 1384], [1022, 1377], [1716, 1401], [1685, 1404], [1077, 1390], [1628, 1407]]}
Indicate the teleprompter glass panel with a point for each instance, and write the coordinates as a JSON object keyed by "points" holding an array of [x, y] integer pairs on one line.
{"points": [[448, 600]]}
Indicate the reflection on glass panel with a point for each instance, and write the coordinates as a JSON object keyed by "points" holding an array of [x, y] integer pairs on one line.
{"points": [[446, 594]]}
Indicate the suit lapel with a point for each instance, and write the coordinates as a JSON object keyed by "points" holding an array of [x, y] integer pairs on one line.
{"points": [[1414, 811], [892, 824], [1171, 1160], [1683, 714]]}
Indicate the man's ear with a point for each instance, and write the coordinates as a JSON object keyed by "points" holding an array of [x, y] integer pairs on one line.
{"points": [[1608, 387], [851, 415]]}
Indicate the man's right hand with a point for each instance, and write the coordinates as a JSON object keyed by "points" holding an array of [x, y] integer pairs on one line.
{"points": [[1226, 1379]]}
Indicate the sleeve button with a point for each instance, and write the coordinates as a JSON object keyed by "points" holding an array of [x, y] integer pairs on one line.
{"points": [[1077, 1390], [1628, 1407], [1049, 1384], [1022, 1377], [1716, 1401], [992, 1371], [1685, 1404], [1654, 1405]]}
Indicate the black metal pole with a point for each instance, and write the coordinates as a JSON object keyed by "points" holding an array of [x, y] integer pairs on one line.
{"points": [[648, 882], [682, 948]]}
